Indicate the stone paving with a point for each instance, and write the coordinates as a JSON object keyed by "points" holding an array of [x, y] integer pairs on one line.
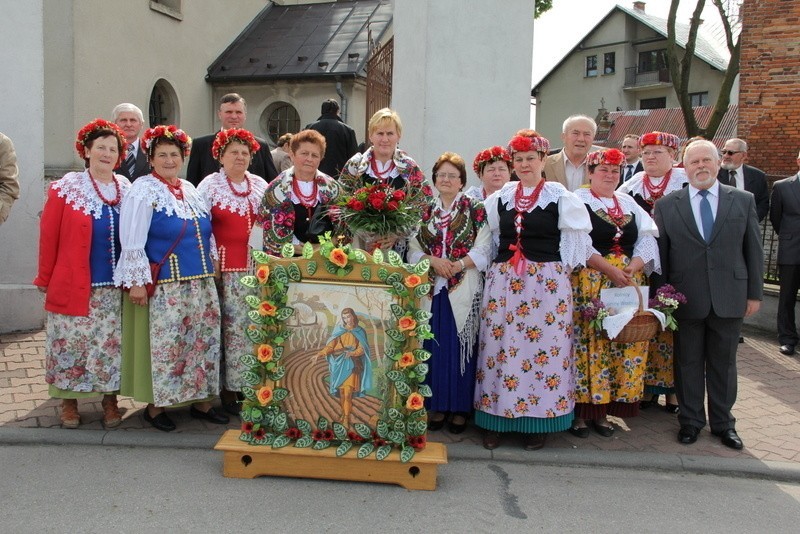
{"points": [[767, 410]]}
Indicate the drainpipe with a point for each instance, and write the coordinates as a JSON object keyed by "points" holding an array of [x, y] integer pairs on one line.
{"points": [[343, 101]]}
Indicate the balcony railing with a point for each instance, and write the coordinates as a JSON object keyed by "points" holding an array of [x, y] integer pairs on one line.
{"points": [[635, 77]]}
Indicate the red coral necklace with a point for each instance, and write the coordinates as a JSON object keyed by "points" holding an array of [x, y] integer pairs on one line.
{"points": [[245, 193], [113, 202], [383, 176], [308, 201], [176, 190], [615, 213], [654, 192]]}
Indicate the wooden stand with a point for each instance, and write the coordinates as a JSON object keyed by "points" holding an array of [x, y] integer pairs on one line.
{"points": [[243, 460]]}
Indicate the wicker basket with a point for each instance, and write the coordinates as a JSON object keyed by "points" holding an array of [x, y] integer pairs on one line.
{"points": [[643, 327]]}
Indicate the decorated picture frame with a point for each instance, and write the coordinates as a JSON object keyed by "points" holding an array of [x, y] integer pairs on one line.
{"points": [[337, 356]]}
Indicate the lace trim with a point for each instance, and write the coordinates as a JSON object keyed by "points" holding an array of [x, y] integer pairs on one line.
{"points": [[635, 186], [76, 189], [551, 192], [133, 269], [575, 247], [215, 190], [468, 334], [153, 191]]}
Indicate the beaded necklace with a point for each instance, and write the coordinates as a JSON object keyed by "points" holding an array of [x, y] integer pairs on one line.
{"points": [[617, 216], [113, 202], [243, 194], [522, 203], [654, 192], [382, 176], [176, 190], [308, 201]]}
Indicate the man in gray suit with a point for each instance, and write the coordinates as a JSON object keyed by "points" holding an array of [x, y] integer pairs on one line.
{"points": [[711, 252], [784, 213]]}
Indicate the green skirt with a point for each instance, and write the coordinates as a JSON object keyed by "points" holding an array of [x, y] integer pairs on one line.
{"points": [[524, 425]]}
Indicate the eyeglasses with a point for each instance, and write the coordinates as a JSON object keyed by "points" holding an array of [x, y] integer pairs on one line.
{"points": [[730, 152], [447, 176]]}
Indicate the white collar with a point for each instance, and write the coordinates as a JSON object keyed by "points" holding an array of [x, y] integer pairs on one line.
{"points": [[714, 189]]}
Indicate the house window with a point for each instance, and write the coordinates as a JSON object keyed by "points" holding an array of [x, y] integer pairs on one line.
{"points": [[609, 63], [698, 99], [652, 60], [279, 118], [591, 66], [653, 103], [163, 108]]}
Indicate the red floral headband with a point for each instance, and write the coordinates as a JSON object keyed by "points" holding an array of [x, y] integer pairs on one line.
{"points": [[224, 138], [612, 156], [659, 138], [521, 143], [100, 124], [489, 156], [152, 135]]}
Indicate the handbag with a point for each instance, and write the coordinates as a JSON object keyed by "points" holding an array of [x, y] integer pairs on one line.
{"points": [[155, 268]]}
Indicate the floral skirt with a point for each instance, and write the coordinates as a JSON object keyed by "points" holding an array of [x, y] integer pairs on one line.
{"points": [[606, 372], [235, 343], [83, 353], [660, 375], [525, 370], [171, 348]]}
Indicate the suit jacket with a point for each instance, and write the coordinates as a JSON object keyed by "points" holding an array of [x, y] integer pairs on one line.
{"points": [[202, 163], [784, 214], [636, 168], [340, 140], [140, 167], [722, 274], [755, 181], [554, 170]]}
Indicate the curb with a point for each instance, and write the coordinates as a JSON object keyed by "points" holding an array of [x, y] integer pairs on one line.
{"points": [[639, 461]]}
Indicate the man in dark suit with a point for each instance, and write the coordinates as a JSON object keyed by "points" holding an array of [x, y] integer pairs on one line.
{"points": [[633, 161], [232, 113], [784, 213], [340, 139], [711, 251], [130, 120], [735, 173]]}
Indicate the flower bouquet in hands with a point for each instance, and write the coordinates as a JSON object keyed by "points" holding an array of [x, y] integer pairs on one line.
{"points": [[594, 312], [666, 301]]}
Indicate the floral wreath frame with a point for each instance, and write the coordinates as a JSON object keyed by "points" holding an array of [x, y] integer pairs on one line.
{"points": [[402, 419]]}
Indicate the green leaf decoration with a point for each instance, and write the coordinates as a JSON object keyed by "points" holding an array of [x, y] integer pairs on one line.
{"points": [[363, 430], [416, 428], [244, 436], [341, 272], [366, 273], [422, 290], [425, 390], [294, 273], [256, 415], [365, 449], [343, 447], [399, 426], [383, 452], [383, 274], [284, 313], [260, 256], [280, 394], [395, 375], [331, 268], [253, 301], [279, 272], [394, 259], [402, 388], [248, 360], [268, 439], [394, 277], [397, 310], [278, 373], [382, 429], [254, 334], [281, 422], [395, 335], [422, 267], [311, 268], [277, 352], [249, 281], [287, 250], [424, 329], [399, 287], [421, 355], [339, 430], [397, 437], [322, 423], [249, 393], [421, 368], [303, 442], [251, 378], [320, 445], [308, 251], [406, 454], [360, 256], [395, 415], [281, 441], [303, 426], [269, 418], [377, 256], [256, 317], [421, 316]]}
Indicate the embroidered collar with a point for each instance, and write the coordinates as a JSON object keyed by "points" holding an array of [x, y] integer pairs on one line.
{"points": [[217, 193], [551, 192], [76, 189], [153, 191]]}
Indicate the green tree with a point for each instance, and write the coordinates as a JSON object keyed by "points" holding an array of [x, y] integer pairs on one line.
{"points": [[541, 6], [680, 66]]}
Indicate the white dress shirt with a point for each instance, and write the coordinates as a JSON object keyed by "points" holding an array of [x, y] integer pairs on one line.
{"points": [[574, 174]]}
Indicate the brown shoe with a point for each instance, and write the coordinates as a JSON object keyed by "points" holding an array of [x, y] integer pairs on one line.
{"points": [[534, 442], [491, 440], [70, 418], [111, 416]]}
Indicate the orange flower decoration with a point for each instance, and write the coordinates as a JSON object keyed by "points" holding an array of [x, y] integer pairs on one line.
{"points": [[264, 395], [413, 280], [415, 402], [265, 353], [338, 257], [407, 360], [267, 308], [262, 273], [406, 323]]}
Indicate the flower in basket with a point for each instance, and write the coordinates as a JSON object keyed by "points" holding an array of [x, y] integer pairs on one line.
{"points": [[594, 312], [666, 301]]}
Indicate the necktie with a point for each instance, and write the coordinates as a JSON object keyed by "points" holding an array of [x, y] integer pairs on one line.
{"points": [[706, 217], [130, 161], [629, 173], [732, 178]]}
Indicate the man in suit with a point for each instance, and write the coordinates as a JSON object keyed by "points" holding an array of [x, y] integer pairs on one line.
{"points": [[784, 213], [736, 174], [569, 166], [130, 120], [633, 160], [711, 251], [232, 113], [340, 139], [280, 154]]}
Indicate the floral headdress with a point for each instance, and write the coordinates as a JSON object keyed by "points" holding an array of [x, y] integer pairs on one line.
{"points": [[225, 137], [612, 156], [152, 135], [489, 156], [95, 125], [659, 138], [523, 143]]}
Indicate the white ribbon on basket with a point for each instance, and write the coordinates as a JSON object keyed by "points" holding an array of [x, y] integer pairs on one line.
{"points": [[613, 324]]}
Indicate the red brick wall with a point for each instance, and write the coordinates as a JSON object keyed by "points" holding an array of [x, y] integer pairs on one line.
{"points": [[769, 93]]}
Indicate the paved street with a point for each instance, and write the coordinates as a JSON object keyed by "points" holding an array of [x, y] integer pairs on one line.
{"points": [[768, 413]]}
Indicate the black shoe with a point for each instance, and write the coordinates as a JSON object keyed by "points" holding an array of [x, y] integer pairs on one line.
{"points": [[730, 439], [741, 339], [160, 422], [788, 350], [579, 431], [212, 416], [653, 401], [605, 431], [533, 442], [458, 428], [436, 424], [491, 440], [688, 434], [672, 408], [233, 407]]}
